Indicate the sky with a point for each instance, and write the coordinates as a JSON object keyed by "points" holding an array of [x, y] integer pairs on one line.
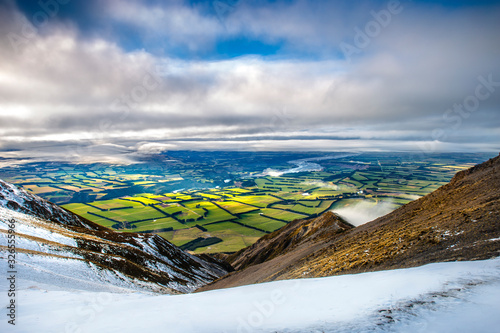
{"points": [[109, 77]]}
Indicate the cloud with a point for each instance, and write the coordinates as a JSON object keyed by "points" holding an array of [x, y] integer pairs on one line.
{"points": [[154, 147], [364, 211], [169, 25], [63, 85]]}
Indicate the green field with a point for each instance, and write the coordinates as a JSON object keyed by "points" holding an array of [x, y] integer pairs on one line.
{"points": [[261, 222], [236, 208], [282, 214], [156, 225], [260, 201], [186, 198]]}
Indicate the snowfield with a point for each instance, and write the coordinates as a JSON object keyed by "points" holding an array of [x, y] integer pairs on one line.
{"points": [[32, 226], [48, 251], [443, 297]]}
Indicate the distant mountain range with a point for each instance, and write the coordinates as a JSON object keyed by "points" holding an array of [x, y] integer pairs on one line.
{"points": [[459, 221], [60, 248]]}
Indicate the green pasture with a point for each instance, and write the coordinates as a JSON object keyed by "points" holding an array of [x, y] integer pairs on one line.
{"points": [[236, 208], [282, 215], [261, 222], [261, 201]]}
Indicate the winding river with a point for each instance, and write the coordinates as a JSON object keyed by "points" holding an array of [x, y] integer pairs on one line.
{"points": [[303, 165]]}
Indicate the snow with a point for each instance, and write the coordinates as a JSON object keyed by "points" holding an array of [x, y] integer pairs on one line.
{"points": [[35, 227], [204, 275], [443, 297], [58, 291], [10, 193], [71, 273], [54, 256]]}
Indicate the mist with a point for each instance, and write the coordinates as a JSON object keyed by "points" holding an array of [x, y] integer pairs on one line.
{"points": [[364, 211]]}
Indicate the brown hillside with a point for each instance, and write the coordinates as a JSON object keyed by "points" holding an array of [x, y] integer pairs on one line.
{"points": [[459, 221], [289, 238]]}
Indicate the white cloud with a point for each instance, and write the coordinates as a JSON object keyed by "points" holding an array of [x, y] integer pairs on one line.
{"points": [[364, 211], [60, 86], [171, 23]]}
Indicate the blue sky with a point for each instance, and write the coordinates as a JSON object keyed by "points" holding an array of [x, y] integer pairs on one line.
{"points": [[138, 76], [91, 20]]}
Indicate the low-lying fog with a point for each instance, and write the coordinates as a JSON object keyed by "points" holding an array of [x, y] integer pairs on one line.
{"points": [[364, 211]]}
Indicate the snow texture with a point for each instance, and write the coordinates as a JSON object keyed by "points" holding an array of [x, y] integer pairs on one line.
{"points": [[35, 227], [442, 297], [54, 254], [20, 200]]}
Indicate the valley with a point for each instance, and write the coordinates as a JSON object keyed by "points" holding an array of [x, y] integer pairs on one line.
{"points": [[230, 166], [433, 260], [210, 202]]}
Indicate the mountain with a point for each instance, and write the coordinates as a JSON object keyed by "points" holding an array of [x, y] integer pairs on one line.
{"points": [[442, 297], [18, 199], [57, 247], [289, 238], [458, 221]]}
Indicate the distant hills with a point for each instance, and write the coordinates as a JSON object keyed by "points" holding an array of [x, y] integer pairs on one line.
{"points": [[458, 221], [60, 248]]}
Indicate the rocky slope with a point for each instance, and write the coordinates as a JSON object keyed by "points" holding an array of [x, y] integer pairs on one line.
{"points": [[18, 199], [459, 221], [53, 244], [289, 238]]}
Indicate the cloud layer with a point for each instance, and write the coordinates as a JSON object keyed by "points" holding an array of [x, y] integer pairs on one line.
{"points": [[65, 81], [364, 211]]}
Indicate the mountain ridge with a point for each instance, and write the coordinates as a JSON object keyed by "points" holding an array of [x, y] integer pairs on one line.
{"points": [[51, 243], [18, 199], [288, 238], [458, 221]]}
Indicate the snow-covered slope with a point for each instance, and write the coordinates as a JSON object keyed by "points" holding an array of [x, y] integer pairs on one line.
{"points": [[20, 200], [53, 245], [442, 297]]}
